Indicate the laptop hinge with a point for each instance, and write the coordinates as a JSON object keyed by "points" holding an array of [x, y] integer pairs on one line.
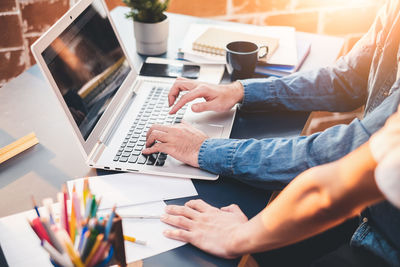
{"points": [[113, 123], [97, 151]]}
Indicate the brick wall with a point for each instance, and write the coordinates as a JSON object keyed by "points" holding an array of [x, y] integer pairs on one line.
{"points": [[347, 18], [23, 21]]}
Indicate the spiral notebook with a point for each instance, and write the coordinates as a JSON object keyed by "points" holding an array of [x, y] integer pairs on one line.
{"points": [[214, 41]]}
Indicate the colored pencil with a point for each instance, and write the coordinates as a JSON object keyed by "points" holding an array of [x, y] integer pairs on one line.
{"points": [[109, 223], [35, 206], [56, 255], [95, 247], [134, 240], [54, 241], [64, 190]]}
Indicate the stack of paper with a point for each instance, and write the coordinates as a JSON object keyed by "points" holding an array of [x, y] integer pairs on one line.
{"points": [[303, 49], [22, 247]]}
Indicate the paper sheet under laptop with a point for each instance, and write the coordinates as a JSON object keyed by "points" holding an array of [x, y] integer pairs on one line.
{"points": [[126, 189], [21, 246]]}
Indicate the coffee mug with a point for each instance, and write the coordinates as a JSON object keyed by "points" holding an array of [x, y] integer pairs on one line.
{"points": [[241, 58]]}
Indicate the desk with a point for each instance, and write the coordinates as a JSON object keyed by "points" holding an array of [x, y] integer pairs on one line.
{"points": [[28, 104]]}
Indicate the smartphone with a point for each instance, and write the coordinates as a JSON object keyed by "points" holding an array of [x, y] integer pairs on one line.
{"points": [[170, 70]]}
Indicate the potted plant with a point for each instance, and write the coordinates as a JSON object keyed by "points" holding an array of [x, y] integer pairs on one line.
{"points": [[150, 25]]}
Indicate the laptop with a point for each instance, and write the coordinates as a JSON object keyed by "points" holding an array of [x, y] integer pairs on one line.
{"points": [[108, 105]]}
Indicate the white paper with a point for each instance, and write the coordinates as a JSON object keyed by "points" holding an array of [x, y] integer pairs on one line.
{"points": [[285, 54], [22, 247], [19, 243], [149, 230], [210, 73], [127, 189]]}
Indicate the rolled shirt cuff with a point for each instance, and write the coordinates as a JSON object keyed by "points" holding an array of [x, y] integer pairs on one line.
{"points": [[216, 155]]}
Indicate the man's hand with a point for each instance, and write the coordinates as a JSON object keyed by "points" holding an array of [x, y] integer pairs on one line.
{"points": [[206, 227], [181, 141], [218, 97]]}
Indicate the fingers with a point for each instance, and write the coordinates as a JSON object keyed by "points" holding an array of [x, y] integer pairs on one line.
{"points": [[177, 221], [192, 95], [231, 208], [181, 84], [157, 147], [205, 106], [182, 211], [178, 234], [199, 205], [158, 127], [156, 135]]}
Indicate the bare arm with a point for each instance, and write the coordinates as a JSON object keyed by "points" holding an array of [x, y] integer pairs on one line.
{"points": [[316, 200]]}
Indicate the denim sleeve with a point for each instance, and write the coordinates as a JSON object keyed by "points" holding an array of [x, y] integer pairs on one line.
{"points": [[341, 87], [272, 163]]}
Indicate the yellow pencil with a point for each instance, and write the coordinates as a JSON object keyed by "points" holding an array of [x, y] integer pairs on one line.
{"points": [[96, 245], [85, 191], [134, 240], [76, 260], [72, 223]]}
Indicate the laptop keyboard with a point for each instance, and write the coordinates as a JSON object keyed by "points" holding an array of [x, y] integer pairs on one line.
{"points": [[154, 111]]}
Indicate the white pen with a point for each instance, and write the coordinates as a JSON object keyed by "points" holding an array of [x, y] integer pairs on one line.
{"points": [[139, 216]]}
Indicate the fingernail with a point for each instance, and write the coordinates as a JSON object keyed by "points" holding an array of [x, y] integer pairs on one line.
{"points": [[163, 217], [167, 232]]}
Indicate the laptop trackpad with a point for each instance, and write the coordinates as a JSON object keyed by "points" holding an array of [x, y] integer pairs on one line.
{"points": [[212, 130]]}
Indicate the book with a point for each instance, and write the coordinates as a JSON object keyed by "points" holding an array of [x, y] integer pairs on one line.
{"points": [[214, 41], [303, 50], [285, 54]]}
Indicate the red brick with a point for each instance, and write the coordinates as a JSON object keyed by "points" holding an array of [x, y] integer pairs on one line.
{"points": [[12, 64], [111, 4], [8, 5], [200, 8], [245, 20], [29, 42], [331, 3], [318, 3], [10, 31], [38, 16], [302, 21], [252, 6], [349, 20]]}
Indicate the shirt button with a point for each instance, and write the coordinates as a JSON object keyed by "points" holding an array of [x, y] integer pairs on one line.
{"points": [[365, 219]]}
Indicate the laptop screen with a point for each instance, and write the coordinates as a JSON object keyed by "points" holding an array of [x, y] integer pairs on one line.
{"points": [[88, 65]]}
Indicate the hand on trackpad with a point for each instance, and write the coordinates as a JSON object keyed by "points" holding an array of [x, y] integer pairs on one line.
{"points": [[212, 130]]}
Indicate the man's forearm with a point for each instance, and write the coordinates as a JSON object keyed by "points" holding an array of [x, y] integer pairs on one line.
{"points": [[315, 201]]}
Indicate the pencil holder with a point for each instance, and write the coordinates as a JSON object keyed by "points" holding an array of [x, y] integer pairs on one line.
{"points": [[118, 243], [79, 237], [116, 252]]}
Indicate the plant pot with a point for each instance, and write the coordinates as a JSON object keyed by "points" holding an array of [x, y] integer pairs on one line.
{"points": [[151, 38]]}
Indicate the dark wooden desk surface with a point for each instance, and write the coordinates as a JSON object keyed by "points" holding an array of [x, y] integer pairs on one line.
{"points": [[28, 104]]}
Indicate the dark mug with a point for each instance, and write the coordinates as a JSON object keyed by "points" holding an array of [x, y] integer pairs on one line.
{"points": [[241, 58]]}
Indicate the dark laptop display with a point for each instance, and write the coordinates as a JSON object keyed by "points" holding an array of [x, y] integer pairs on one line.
{"points": [[88, 65]]}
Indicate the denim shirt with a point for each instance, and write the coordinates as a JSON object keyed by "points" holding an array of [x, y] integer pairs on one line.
{"points": [[365, 76]]}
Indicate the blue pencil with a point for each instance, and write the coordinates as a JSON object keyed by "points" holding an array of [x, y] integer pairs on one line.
{"points": [[109, 223], [35, 206]]}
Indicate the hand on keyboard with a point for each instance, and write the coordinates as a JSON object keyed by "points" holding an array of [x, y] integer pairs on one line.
{"points": [[218, 98], [181, 141]]}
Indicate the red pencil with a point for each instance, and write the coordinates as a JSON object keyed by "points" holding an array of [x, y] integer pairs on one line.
{"points": [[66, 220], [40, 230]]}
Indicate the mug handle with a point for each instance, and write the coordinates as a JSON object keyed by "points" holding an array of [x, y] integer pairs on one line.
{"points": [[263, 54]]}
